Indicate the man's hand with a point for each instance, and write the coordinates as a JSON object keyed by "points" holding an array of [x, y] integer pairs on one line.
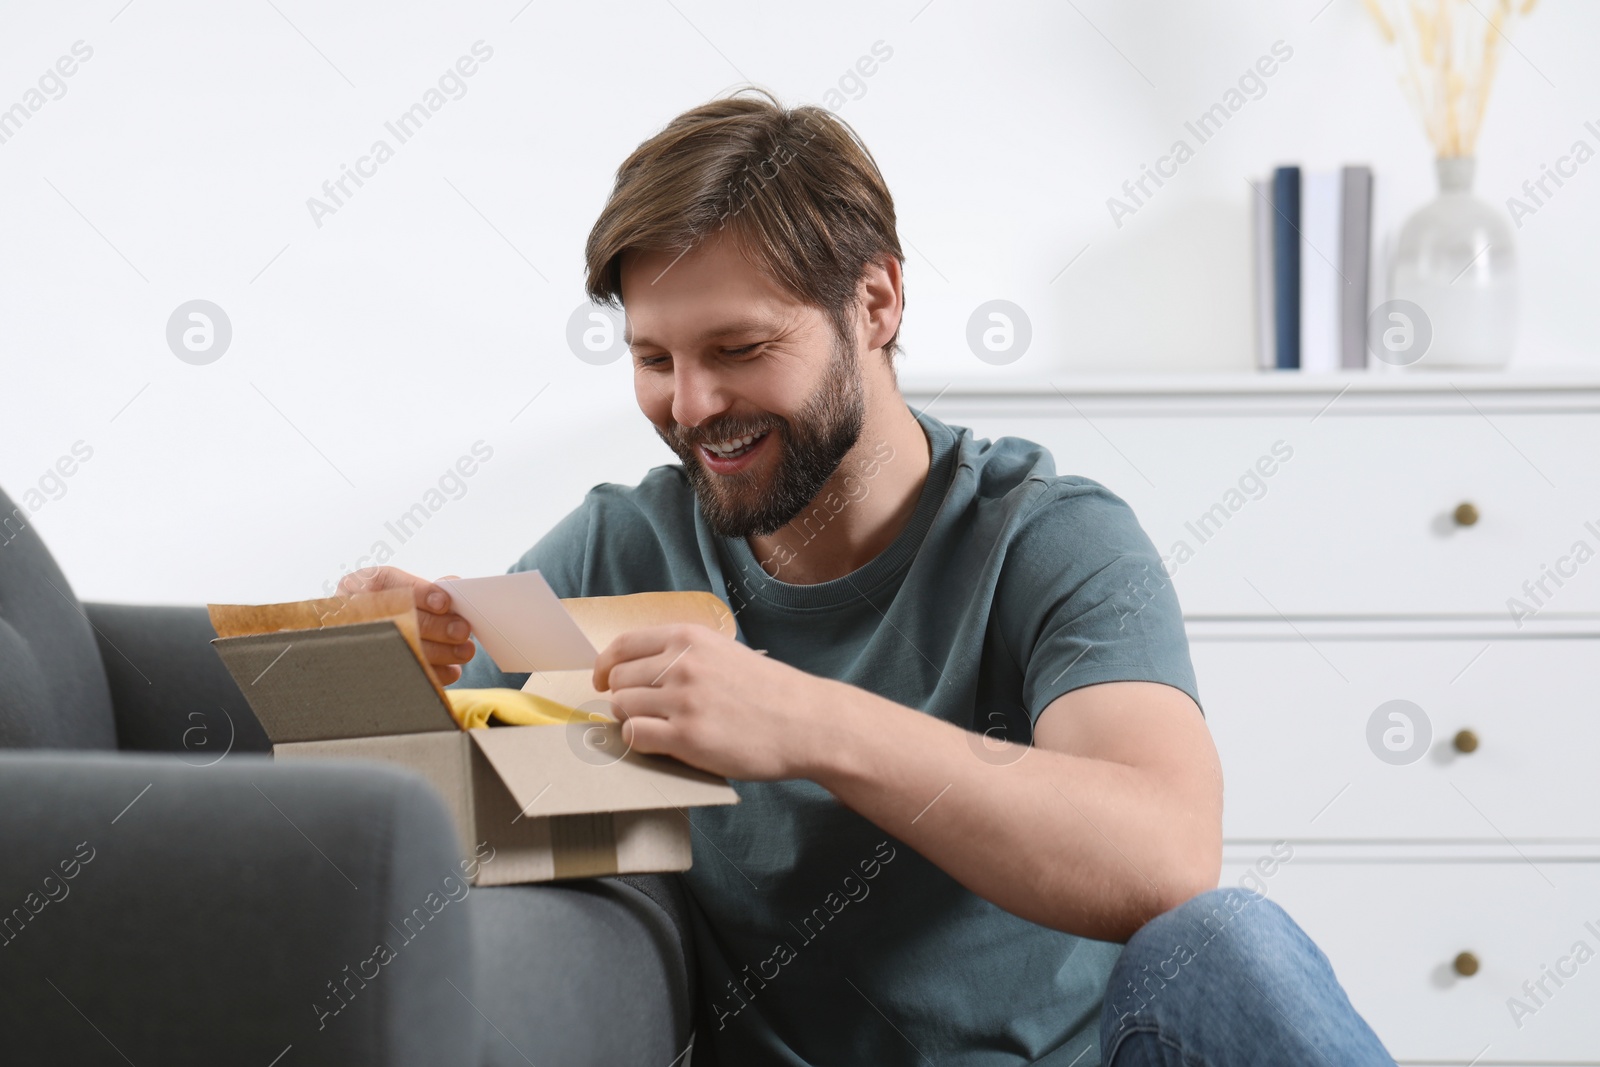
{"points": [[690, 692], [446, 636]]}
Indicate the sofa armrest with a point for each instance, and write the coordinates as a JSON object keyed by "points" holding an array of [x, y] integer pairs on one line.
{"points": [[666, 891], [169, 688], [586, 972], [156, 912]]}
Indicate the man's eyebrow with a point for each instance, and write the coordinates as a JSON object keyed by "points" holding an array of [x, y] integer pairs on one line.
{"points": [[743, 326]]}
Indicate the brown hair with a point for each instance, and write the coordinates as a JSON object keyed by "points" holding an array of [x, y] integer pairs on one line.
{"points": [[797, 189]]}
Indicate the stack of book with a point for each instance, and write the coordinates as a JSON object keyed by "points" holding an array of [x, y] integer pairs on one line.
{"points": [[1313, 248]]}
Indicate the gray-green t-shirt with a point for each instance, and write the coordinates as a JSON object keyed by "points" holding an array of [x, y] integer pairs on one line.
{"points": [[822, 939]]}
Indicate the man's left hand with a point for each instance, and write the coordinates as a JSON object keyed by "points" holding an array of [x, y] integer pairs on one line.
{"points": [[690, 692]]}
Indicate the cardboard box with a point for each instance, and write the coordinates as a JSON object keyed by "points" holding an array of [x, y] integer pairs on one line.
{"points": [[345, 677]]}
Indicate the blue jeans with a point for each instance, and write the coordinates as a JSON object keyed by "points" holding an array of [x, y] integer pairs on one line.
{"points": [[1228, 979]]}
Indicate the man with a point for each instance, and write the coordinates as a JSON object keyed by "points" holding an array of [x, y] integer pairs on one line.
{"points": [[972, 764]]}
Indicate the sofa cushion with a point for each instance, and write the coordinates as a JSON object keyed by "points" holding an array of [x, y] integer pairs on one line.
{"points": [[53, 691]]}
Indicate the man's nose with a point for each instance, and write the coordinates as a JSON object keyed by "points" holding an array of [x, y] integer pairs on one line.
{"points": [[697, 395]]}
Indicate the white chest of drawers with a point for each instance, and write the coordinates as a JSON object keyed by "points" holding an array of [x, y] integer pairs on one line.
{"points": [[1391, 585]]}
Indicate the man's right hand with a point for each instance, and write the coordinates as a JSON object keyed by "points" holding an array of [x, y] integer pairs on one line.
{"points": [[446, 636]]}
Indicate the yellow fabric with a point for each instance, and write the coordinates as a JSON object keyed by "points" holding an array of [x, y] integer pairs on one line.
{"points": [[473, 708]]}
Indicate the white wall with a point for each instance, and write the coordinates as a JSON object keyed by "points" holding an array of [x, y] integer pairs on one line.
{"points": [[427, 311]]}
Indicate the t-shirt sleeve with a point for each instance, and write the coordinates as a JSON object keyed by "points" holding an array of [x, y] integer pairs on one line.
{"points": [[560, 557], [1089, 599]]}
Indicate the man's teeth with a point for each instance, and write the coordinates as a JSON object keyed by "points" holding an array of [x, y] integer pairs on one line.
{"points": [[738, 444]]}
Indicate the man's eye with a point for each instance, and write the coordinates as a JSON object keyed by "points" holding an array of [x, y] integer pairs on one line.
{"points": [[743, 350]]}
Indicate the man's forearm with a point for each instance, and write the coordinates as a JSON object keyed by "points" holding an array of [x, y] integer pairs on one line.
{"points": [[1088, 846]]}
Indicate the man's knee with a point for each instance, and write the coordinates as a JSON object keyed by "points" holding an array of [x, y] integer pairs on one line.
{"points": [[1234, 921], [1226, 931], [1224, 963]]}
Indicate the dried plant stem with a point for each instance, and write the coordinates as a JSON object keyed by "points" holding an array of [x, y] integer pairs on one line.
{"points": [[1448, 63]]}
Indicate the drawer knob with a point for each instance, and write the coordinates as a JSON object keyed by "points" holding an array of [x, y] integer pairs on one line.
{"points": [[1465, 964], [1466, 741], [1466, 514]]}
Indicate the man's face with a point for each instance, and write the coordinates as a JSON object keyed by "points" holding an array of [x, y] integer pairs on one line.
{"points": [[719, 353]]}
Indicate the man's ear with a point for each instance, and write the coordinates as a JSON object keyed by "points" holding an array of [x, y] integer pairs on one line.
{"points": [[878, 301]]}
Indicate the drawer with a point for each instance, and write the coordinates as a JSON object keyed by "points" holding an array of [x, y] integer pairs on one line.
{"points": [[1357, 514], [1291, 708], [1392, 931]]}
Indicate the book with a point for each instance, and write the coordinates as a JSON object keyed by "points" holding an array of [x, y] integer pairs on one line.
{"points": [[1321, 275], [1261, 216], [1355, 257], [1286, 266]]}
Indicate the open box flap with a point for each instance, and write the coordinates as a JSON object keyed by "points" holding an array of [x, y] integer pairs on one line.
{"points": [[574, 769], [603, 618], [397, 605], [359, 680]]}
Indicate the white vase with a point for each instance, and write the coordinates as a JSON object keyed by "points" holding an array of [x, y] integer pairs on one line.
{"points": [[1456, 260]]}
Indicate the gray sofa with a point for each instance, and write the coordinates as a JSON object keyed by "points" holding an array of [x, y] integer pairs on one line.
{"points": [[170, 895]]}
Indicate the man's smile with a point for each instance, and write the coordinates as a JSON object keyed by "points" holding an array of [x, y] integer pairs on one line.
{"points": [[729, 461]]}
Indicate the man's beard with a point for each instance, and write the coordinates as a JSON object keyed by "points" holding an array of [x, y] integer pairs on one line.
{"points": [[813, 444]]}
